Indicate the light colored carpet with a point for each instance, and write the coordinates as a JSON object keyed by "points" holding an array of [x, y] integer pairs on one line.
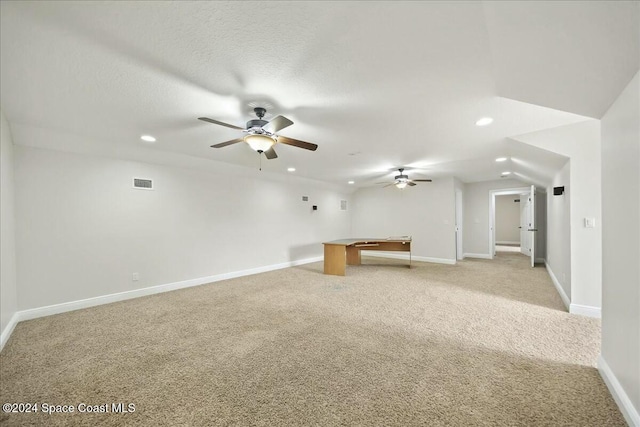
{"points": [[479, 343]]}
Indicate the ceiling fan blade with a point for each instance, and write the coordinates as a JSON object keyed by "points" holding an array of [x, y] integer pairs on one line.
{"points": [[215, 122], [411, 183], [277, 124], [393, 183], [270, 154], [422, 180], [297, 143], [224, 144]]}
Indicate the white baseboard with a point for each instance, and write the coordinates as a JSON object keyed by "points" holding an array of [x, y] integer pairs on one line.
{"points": [[6, 333], [508, 242], [619, 395], [49, 310], [585, 310], [481, 256], [382, 254], [554, 279]]}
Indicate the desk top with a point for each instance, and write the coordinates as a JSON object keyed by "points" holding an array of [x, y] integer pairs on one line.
{"points": [[353, 240]]}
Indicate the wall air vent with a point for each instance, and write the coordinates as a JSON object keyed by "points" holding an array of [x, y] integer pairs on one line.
{"points": [[343, 205], [143, 183]]}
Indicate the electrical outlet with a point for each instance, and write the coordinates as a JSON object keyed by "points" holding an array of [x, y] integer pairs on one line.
{"points": [[135, 277]]}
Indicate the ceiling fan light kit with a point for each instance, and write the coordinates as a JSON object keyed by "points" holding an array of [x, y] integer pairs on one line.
{"points": [[402, 181], [261, 134], [259, 143]]}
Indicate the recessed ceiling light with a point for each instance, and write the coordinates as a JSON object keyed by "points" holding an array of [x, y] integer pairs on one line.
{"points": [[148, 138], [501, 159], [351, 182], [506, 173], [291, 169], [484, 121]]}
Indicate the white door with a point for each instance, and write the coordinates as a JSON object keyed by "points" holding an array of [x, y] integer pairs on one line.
{"points": [[532, 224], [540, 226], [459, 225], [525, 248]]}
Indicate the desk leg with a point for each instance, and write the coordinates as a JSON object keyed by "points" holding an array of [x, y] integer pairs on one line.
{"points": [[353, 255], [334, 260]]}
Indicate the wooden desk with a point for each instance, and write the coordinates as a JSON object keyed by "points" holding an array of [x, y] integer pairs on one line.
{"points": [[340, 253]]}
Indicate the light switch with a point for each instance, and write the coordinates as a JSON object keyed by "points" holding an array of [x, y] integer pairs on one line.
{"points": [[589, 223]]}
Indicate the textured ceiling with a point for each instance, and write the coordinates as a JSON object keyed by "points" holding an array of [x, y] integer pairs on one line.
{"points": [[376, 85], [570, 55]]}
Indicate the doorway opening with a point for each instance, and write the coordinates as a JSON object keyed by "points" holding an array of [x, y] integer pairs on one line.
{"points": [[508, 222], [530, 220]]}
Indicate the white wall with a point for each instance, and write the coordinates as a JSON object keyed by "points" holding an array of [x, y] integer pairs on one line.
{"points": [[426, 212], [507, 219], [621, 243], [8, 290], [476, 213], [581, 143], [559, 230], [82, 230]]}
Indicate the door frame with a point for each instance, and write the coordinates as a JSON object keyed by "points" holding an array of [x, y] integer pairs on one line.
{"points": [[459, 219], [525, 210], [492, 212]]}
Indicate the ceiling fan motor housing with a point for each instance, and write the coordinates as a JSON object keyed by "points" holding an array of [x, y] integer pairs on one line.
{"points": [[256, 124]]}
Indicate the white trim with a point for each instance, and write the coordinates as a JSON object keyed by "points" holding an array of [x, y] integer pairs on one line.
{"points": [[554, 279], [34, 313], [8, 330], [481, 256], [584, 310], [382, 254], [507, 242], [619, 395]]}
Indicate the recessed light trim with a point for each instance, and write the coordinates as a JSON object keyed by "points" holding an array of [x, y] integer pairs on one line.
{"points": [[351, 182], [291, 169], [501, 159], [484, 121], [506, 173], [148, 138]]}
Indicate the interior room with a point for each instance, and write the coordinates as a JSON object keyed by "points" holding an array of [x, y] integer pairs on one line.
{"points": [[320, 213], [509, 218]]}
